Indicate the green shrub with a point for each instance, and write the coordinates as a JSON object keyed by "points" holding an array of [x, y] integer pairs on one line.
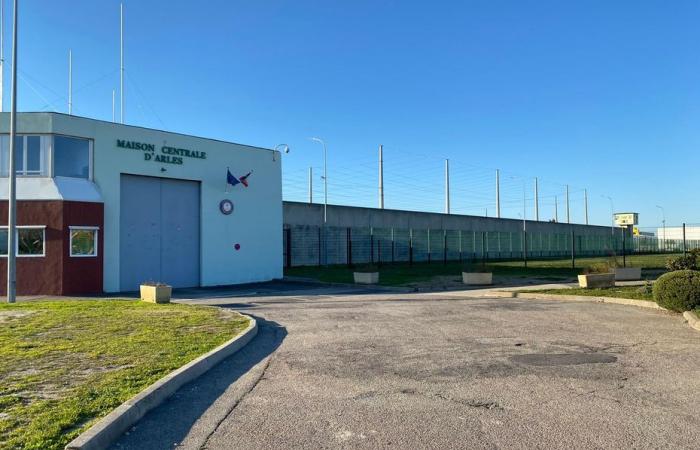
{"points": [[601, 267], [682, 262], [678, 291], [646, 288]]}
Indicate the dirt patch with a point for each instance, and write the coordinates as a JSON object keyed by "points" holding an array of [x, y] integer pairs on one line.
{"points": [[6, 316]]}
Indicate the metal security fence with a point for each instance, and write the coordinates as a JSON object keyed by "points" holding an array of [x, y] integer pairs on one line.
{"points": [[313, 245]]}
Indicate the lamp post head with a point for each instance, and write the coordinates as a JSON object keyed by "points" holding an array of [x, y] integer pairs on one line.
{"points": [[316, 139], [285, 148]]}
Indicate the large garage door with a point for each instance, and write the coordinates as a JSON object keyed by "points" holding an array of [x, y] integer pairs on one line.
{"points": [[159, 234]]}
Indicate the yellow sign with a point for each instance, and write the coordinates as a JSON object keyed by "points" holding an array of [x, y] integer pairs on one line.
{"points": [[635, 231]]}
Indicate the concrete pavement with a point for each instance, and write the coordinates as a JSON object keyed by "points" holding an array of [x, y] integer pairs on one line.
{"points": [[342, 368]]}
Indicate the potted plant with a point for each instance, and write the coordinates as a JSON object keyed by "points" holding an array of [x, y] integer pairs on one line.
{"points": [[597, 276], [368, 274], [475, 274], [155, 292], [628, 273], [623, 273]]}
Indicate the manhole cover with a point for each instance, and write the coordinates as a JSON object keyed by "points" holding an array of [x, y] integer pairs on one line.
{"points": [[563, 359]]}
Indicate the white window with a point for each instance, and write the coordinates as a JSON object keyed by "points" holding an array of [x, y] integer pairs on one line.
{"points": [[30, 241], [83, 241], [31, 155]]}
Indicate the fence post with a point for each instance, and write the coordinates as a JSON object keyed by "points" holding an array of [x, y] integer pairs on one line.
{"points": [[573, 250], [525, 248], [288, 232], [484, 252], [392, 245], [460, 246], [371, 246], [429, 249], [319, 246], [684, 245], [444, 247], [410, 246], [379, 252], [348, 241], [624, 256]]}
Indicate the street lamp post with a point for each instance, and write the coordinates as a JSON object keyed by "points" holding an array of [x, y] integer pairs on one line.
{"points": [[612, 214], [524, 221], [663, 224], [12, 175], [325, 178]]}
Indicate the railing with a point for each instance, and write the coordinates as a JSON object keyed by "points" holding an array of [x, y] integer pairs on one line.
{"points": [[312, 245]]}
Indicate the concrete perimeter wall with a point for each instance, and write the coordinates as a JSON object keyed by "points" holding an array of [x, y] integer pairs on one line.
{"points": [[359, 235], [305, 214]]}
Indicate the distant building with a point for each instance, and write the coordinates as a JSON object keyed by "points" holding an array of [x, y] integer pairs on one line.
{"points": [[676, 233]]}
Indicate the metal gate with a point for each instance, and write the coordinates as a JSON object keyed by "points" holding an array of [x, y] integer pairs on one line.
{"points": [[159, 231]]}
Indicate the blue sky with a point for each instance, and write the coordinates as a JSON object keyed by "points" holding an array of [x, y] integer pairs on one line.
{"points": [[597, 94]]}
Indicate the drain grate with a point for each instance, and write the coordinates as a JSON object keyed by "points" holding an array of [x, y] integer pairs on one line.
{"points": [[563, 359]]}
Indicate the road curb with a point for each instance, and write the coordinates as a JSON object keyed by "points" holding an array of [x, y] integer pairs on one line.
{"points": [[587, 298], [692, 319], [102, 434]]}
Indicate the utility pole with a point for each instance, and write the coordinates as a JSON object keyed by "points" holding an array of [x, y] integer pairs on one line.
{"points": [[447, 186], [2, 53], [121, 62], [12, 194], [568, 216], [585, 204], [556, 209], [498, 193], [70, 81], [381, 176], [537, 201], [311, 184]]}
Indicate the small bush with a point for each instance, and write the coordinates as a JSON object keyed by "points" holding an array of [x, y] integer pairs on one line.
{"points": [[603, 267], [366, 268], [646, 288], [678, 291], [475, 266], [682, 262]]}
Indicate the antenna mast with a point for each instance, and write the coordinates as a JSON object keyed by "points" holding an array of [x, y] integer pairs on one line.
{"points": [[70, 81], [2, 51], [121, 61]]}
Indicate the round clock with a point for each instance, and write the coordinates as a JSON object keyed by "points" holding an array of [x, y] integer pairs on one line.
{"points": [[226, 207]]}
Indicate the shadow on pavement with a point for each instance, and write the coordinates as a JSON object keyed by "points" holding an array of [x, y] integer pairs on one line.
{"points": [[170, 423]]}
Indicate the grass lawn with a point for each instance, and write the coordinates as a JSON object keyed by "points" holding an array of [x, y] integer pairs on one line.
{"points": [[633, 292], [65, 364], [402, 273]]}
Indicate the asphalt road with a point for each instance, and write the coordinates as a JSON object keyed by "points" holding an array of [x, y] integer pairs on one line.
{"points": [[334, 369]]}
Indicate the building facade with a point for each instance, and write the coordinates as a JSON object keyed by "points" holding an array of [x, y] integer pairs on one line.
{"points": [[103, 207]]}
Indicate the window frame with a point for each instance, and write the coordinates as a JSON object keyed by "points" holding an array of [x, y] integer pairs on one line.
{"points": [[45, 158], [84, 228], [52, 156], [28, 227]]}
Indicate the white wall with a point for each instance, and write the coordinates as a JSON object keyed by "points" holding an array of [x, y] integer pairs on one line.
{"points": [[691, 233], [256, 223]]}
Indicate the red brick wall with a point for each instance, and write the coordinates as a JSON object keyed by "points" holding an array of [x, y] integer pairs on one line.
{"points": [[56, 273], [82, 275]]}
